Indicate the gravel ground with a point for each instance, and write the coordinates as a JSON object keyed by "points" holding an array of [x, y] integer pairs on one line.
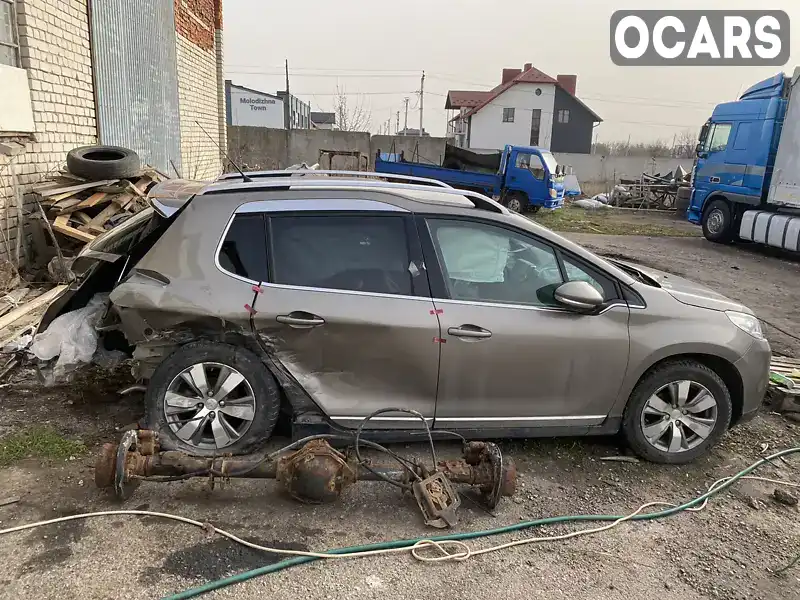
{"points": [[723, 552]]}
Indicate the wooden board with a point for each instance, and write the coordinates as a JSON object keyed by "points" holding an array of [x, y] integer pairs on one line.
{"points": [[96, 224], [61, 225], [77, 188], [67, 206], [82, 217], [28, 307], [93, 200]]}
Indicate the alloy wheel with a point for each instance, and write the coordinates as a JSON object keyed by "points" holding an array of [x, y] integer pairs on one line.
{"points": [[680, 416], [209, 405]]}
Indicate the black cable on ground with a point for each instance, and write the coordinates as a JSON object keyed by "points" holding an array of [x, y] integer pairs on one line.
{"points": [[784, 332]]}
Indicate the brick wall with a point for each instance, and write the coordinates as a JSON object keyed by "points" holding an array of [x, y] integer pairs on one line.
{"points": [[54, 49], [199, 87]]}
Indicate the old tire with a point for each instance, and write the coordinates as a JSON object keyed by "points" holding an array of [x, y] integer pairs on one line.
{"points": [[97, 163], [718, 222], [244, 423], [641, 421]]}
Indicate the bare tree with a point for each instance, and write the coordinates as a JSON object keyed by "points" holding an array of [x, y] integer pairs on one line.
{"points": [[685, 143], [351, 115]]}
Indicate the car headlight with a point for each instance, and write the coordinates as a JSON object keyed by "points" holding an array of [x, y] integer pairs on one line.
{"points": [[747, 323]]}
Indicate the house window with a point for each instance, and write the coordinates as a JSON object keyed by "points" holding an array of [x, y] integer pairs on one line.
{"points": [[508, 115], [536, 121], [563, 116], [8, 34]]}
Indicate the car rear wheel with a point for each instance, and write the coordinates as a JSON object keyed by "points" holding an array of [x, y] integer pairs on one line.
{"points": [[677, 412], [209, 398], [718, 222]]}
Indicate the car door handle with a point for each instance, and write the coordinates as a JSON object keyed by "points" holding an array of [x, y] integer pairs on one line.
{"points": [[470, 331], [300, 320]]}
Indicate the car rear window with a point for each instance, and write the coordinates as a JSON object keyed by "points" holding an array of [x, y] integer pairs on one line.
{"points": [[345, 252], [244, 251]]}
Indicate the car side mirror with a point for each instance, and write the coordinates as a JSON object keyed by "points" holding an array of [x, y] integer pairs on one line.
{"points": [[578, 296], [698, 149]]}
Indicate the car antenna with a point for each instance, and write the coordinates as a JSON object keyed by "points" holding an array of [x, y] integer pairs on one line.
{"points": [[245, 178]]}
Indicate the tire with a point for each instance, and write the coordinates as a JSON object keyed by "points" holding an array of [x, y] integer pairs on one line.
{"points": [[683, 199], [515, 203], [718, 222], [245, 434], [653, 385], [97, 163]]}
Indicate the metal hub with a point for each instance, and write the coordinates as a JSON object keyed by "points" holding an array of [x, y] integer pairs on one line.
{"points": [[716, 221], [514, 205], [679, 416], [209, 405]]}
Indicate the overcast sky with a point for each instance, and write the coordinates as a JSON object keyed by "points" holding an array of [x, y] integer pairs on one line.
{"points": [[377, 50]]}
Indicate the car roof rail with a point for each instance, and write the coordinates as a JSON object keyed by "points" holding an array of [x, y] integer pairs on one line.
{"points": [[346, 174]]}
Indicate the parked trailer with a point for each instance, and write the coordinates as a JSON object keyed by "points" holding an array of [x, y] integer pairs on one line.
{"points": [[746, 179]]}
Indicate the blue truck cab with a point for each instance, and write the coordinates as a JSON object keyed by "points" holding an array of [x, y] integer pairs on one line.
{"points": [[745, 178], [520, 177]]}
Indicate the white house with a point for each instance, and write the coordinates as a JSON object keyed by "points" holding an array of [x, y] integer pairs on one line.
{"points": [[528, 108]]}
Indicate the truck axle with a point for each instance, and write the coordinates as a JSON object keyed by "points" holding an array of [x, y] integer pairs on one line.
{"points": [[315, 473]]}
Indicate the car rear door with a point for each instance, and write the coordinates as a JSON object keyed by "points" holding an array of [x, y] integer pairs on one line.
{"points": [[511, 357], [347, 309]]}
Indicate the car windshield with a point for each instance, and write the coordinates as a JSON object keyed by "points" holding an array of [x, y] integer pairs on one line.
{"points": [[550, 161]]}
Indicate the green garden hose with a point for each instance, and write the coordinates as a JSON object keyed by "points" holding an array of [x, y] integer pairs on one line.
{"points": [[285, 564]]}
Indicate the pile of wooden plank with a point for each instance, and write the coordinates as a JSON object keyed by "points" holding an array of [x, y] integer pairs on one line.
{"points": [[79, 210]]}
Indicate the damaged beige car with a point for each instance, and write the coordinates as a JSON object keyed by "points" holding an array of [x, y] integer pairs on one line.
{"points": [[327, 298]]}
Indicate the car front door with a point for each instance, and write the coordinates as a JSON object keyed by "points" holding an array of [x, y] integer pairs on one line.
{"points": [[347, 310], [511, 356], [529, 176]]}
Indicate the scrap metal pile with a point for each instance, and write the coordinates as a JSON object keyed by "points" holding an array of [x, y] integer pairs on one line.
{"points": [[312, 471], [650, 191]]}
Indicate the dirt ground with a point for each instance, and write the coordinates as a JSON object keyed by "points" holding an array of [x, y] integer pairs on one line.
{"points": [[725, 551]]}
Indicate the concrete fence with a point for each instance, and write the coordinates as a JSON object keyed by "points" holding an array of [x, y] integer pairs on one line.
{"points": [[259, 148]]}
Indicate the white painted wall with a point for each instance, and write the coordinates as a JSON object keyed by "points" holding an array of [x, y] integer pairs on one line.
{"points": [[489, 131], [251, 109]]}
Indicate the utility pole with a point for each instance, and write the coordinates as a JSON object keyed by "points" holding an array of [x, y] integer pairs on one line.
{"points": [[405, 125], [421, 101], [397, 129], [287, 111]]}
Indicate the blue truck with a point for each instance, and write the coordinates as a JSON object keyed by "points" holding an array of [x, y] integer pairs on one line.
{"points": [[520, 177], [746, 178]]}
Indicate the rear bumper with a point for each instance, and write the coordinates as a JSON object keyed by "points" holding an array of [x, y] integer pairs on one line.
{"points": [[753, 368]]}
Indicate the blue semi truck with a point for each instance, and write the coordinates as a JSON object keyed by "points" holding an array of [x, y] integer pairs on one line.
{"points": [[746, 178], [519, 177]]}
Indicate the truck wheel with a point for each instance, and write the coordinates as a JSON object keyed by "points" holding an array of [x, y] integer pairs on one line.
{"points": [[718, 222], [515, 203]]}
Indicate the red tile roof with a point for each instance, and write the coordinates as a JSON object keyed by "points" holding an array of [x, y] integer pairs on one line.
{"points": [[466, 99], [531, 75]]}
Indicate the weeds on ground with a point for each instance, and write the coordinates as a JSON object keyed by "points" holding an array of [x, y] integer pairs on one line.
{"points": [[37, 442], [604, 221]]}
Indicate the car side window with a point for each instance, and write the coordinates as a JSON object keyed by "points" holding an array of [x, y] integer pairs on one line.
{"points": [[244, 249], [484, 263], [361, 253], [576, 271]]}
